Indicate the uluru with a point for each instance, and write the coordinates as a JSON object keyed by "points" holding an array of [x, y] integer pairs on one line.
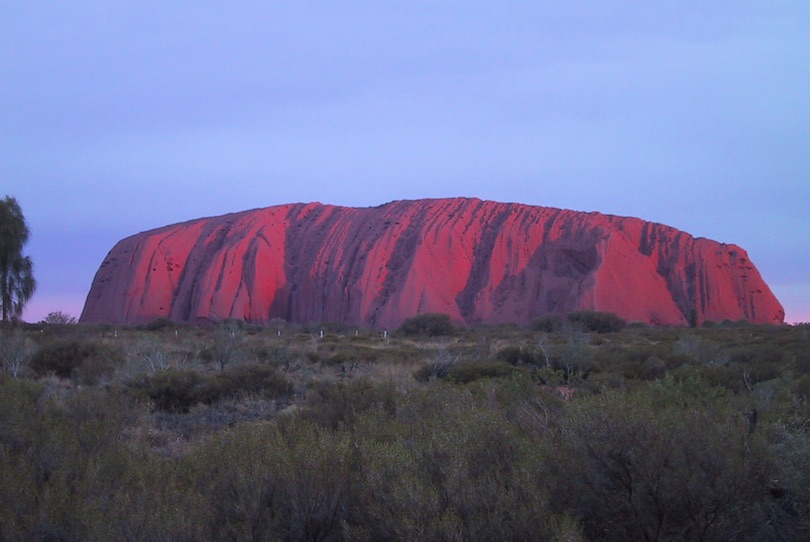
{"points": [[477, 261]]}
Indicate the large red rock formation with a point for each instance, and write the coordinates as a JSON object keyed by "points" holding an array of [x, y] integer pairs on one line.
{"points": [[478, 261]]}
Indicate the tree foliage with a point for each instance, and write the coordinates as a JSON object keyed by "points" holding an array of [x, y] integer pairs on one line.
{"points": [[429, 325], [600, 322], [17, 282], [59, 318]]}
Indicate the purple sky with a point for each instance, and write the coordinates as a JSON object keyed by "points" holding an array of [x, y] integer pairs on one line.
{"points": [[118, 117]]}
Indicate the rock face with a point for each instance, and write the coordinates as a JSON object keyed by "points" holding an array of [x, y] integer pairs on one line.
{"points": [[478, 261]]}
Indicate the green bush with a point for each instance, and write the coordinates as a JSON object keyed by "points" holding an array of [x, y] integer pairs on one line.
{"points": [[429, 325], [66, 358], [649, 465], [548, 323], [60, 358], [257, 380], [599, 322], [520, 355], [464, 373], [177, 391], [337, 405], [432, 371], [345, 352], [159, 324]]}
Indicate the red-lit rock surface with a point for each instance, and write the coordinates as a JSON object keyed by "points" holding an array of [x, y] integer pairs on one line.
{"points": [[478, 261]]}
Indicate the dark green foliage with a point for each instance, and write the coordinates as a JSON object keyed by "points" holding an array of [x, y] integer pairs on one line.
{"points": [[335, 351], [337, 405], [17, 283], [650, 466], [59, 318], [574, 358], [761, 353], [62, 462], [802, 388], [66, 358], [60, 358], [450, 467], [599, 322], [432, 371], [548, 323], [521, 355], [285, 482], [463, 373], [179, 390], [252, 380], [641, 362], [336, 328], [160, 324], [427, 325]]}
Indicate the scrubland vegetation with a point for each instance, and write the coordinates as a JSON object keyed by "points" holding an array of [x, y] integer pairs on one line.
{"points": [[574, 429]]}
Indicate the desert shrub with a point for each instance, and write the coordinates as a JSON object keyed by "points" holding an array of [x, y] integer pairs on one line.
{"points": [[463, 472], [759, 371], [435, 370], [344, 352], [520, 355], [286, 481], [278, 355], [336, 405], [722, 376], [97, 366], [599, 322], [176, 390], [548, 323], [258, 380], [159, 324], [756, 354], [673, 361], [66, 358], [429, 325], [700, 350], [618, 353], [637, 362], [337, 328], [735, 323], [62, 461], [649, 465], [575, 358], [790, 447], [227, 344], [463, 373], [60, 358]]}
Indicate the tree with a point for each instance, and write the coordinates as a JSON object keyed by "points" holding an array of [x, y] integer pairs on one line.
{"points": [[17, 282], [600, 322], [429, 324], [59, 318]]}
